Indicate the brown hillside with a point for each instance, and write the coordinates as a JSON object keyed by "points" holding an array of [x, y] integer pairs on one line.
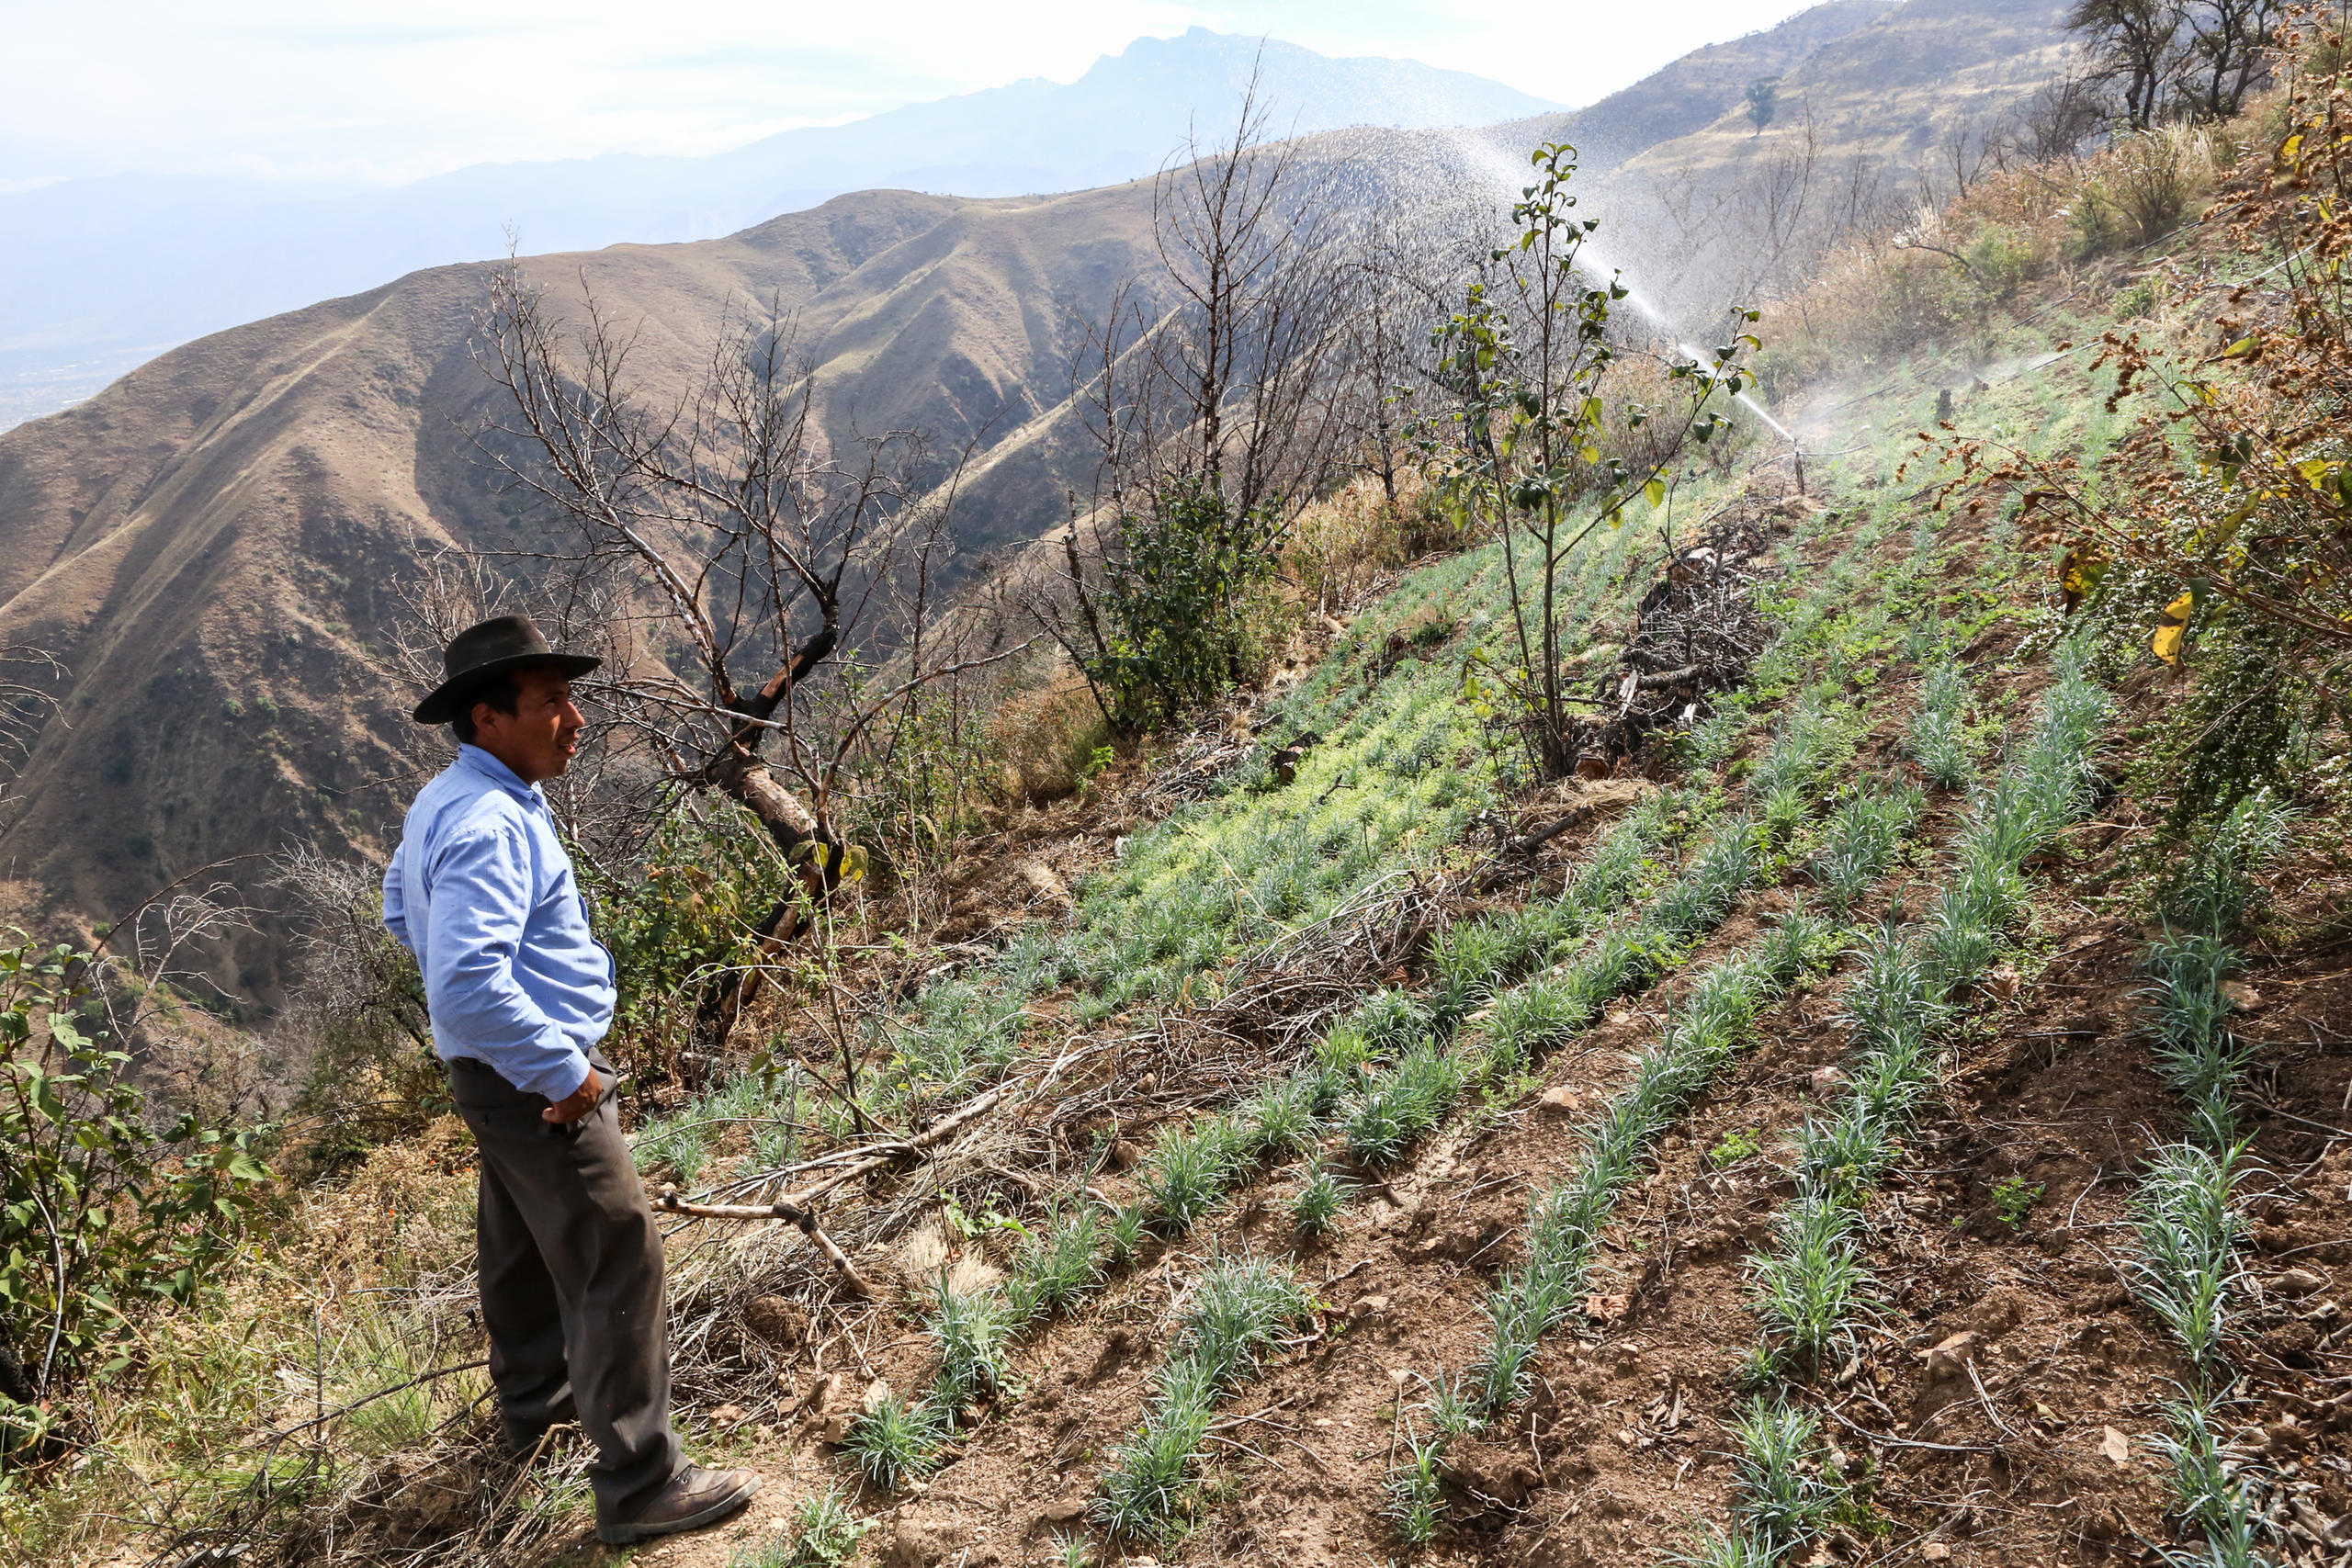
{"points": [[1887, 114], [214, 545]]}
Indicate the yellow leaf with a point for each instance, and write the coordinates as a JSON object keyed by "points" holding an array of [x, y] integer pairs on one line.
{"points": [[2171, 627], [1655, 491], [2243, 348], [2079, 575]]}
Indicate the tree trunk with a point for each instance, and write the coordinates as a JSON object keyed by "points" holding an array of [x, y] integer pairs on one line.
{"points": [[742, 777]]}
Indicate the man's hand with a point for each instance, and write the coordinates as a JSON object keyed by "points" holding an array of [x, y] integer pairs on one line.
{"points": [[576, 1104]]}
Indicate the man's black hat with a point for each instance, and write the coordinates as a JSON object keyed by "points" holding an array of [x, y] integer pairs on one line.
{"points": [[488, 649]]}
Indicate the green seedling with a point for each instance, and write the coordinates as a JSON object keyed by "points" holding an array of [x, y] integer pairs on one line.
{"points": [[1737, 1145], [2014, 1198], [822, 1532], [1321, 1199]]}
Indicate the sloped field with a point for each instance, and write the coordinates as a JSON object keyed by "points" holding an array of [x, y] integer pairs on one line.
{"points": [[1845, 1144]]}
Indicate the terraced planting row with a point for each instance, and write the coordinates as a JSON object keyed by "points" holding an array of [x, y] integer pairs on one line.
{"points": [[1151, 1487], [1567, 1222], [1392, 1071], [2187, 1216], [1388, 1074], [1815, 1291]]}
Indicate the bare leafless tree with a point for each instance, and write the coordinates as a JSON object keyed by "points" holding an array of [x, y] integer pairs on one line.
{"points": [[1391, 284], [2230, 52], [2192, 59], [2055, 121], [1213, 377], [2134, 47], [32, 681], [733, 554]]}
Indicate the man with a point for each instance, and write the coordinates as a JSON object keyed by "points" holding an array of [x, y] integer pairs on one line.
{"points": [[520, 994]]}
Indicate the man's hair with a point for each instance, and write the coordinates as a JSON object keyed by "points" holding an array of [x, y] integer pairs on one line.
{"points": [[502, 692]]}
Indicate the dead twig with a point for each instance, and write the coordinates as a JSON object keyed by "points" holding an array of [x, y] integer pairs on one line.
{"points": [[792, 1214]]}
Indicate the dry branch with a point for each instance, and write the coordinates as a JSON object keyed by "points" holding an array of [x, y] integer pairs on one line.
{"points": [[669, 1202]]}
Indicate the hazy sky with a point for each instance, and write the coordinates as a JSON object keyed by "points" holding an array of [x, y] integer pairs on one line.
{"points": [[299, 89]]}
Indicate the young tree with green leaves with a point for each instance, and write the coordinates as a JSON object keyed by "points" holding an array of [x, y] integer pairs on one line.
{"points": [[1524, 449]]}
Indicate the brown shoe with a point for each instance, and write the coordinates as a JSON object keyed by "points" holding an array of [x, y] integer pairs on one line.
{"points": [[695, 1498]]}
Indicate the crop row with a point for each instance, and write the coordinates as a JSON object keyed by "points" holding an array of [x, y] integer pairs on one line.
{"points": [[1814, 1291], [2186, 1216]]}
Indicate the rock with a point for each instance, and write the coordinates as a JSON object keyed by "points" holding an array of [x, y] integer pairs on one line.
{"points": [[1455, 1241], [1066, 1511], [2003, 982], [2298, 1282], [777, 1321], [1949, 1358], [1935, 1551], [2243, 996], [1559, 1100], [2115, 1446], [2282, 1439], [1368, 1308], [1827, 1081], [727, 1416], [818, 1401], [1126, 1155], [1041, 880]]}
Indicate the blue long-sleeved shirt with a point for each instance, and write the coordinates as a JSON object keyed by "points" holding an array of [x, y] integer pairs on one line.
{"points": [[481, 891]]}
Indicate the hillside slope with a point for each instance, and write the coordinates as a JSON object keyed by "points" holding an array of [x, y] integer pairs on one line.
{"points": [[216, 543], [1886, 117]]}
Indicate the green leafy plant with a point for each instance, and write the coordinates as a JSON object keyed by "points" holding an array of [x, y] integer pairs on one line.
{"points": [[2014, 1198], [1737, 1145], [1181, 614], [898, 1440], [97, 1212], [1416, 1490], [1322, 1196], [1060, 1262], [822, 1532], [713, 877]]}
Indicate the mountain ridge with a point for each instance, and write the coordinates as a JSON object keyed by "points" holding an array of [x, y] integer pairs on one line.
{"points": [[84, 289]]}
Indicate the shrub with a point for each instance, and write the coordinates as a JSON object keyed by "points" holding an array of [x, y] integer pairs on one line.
{"points": [[712, 876], [97, 1213], [1185, 613]]}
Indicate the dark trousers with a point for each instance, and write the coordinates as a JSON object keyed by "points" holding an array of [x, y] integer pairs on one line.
{"points": [[572, 1281]]}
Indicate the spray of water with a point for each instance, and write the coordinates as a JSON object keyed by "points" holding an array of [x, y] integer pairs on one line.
{"points": [[1509, 175]]}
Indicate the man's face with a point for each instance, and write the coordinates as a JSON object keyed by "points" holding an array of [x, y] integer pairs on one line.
{"points": [[537, 739]]}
